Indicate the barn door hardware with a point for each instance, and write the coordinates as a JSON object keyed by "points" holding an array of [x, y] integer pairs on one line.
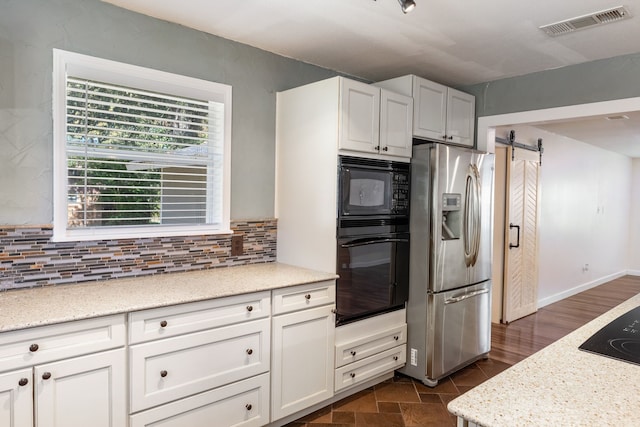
{"points": [[511, 140]]}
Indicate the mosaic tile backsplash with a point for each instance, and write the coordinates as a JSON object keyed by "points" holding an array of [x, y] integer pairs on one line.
{"points": [[29, 258]]}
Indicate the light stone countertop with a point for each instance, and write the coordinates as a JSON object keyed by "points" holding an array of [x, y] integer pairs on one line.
{"points": [[61, 303], [559, 386]]}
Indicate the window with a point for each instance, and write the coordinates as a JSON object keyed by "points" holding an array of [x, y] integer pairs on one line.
{"points": [[137, 152]]}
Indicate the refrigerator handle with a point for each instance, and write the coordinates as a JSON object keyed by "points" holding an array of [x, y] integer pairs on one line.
{"points": [[472, 217], [454, 300]]}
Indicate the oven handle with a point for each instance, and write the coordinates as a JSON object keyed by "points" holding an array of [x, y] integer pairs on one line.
{"points": [[465, 296], [363, 242]]}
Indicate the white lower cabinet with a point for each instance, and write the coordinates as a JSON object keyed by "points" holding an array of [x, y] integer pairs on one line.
{"points": [[369, 348], [83, 391], [16, 398], [201, 364], [65, 375], [243, 403], [173, 368], [303, 348]]}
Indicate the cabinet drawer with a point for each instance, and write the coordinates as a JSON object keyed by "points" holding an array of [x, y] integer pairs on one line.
{"points": [[181, 319], [361, 348], [295, 298], [177, 367], [371, 367], [44, 344], [243, 403]]}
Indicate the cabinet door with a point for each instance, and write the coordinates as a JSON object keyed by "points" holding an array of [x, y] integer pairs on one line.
{"points": [[460, 117], [359, 117], [83, 391], [16, 399], [302, 370], [430, 109], [396, 123]]}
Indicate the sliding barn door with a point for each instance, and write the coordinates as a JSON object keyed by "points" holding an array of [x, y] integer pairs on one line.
{"points": [[521, 235]]}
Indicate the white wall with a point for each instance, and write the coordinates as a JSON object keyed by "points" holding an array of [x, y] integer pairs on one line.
{"points": [[634, 223], [585, 214]]}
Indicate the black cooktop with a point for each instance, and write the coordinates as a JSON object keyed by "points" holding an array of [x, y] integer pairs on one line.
{"points": [[620, 339]]}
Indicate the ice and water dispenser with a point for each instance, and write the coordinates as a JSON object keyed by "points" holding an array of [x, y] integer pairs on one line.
{"points": [[451, 216]]}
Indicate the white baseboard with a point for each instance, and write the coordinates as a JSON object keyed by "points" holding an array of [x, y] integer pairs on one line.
{"points": [[583, 287]]}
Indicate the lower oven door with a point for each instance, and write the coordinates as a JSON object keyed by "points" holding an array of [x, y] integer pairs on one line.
{"points": [[373, 275]]}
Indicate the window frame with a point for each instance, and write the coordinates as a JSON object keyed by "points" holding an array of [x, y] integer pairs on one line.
{"points": [[133, 76]]}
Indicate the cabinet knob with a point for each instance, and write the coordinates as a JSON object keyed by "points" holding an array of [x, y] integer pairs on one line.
{"points": [[334, 311], [46, 375], [248, 406], [451, 137], [249, 351], [352, 374], [163, 373], [353, 353], [444, 136], [377, 148], [395, 357], [307, 297], [163, 324], [395, 337], [385, 148], [23, 382], [249, 308], [34, 347]]}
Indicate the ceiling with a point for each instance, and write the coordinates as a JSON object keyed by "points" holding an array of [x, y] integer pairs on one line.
{"points": [[456, 43]]}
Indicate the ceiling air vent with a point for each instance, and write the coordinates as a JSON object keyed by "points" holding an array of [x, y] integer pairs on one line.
{"points": [[585, 21]]}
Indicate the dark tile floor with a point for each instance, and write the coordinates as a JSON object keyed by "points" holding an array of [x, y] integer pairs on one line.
{"points": [[402, 401]]}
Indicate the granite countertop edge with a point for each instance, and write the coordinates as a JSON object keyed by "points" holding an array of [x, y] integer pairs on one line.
{"points": [[32, 307], [559, 385]]}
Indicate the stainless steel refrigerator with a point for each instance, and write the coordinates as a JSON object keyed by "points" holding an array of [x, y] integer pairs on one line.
{"points": [[449, 306]]}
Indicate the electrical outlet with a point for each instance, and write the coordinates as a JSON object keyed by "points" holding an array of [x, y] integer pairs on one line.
{"points": [[414, 357], [237, 241]]}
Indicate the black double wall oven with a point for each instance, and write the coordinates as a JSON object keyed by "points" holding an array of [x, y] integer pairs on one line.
{"points": [[373, 237]]}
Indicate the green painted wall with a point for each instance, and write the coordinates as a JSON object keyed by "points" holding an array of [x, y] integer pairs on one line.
{"points": [[601, 80], [30, 29]]}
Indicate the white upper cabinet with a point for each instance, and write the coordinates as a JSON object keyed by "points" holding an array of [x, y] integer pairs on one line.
{"points": [[441, 113], [374, 120], [359, 117], [461, 109], [396, 122]]}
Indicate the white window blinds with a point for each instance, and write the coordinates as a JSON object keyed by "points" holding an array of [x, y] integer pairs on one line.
{"points": [[141, 158]]}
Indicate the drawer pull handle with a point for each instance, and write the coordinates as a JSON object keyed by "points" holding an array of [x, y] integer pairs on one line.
{"points": [[46, 375], [353, 353], [23, 382], [163, 373], [352, 374], [248, 406], [33, 348], [249, 308], [395, 357], [395, 337], [163, 324], [249, 351], [307, 297]]}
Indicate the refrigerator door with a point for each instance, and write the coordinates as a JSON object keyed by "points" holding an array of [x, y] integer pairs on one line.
{"points": [[461, 216], [460, 329]]}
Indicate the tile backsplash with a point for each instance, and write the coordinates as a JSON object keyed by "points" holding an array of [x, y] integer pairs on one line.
{"points": [[29, 258]]}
